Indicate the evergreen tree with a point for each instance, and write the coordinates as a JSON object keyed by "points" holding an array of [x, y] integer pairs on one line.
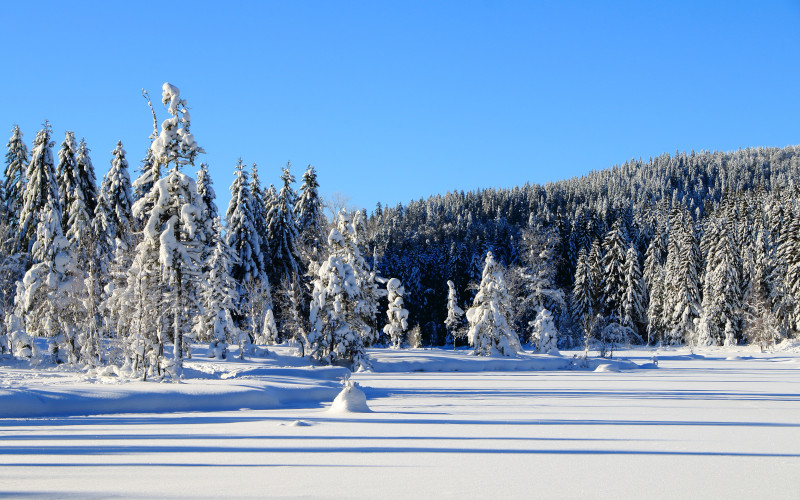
{"points": [[172, 234], [583, 290], [335, 336], [48, 300], [633, 312], [681, 291], [219, 298], [259, 206], [86, 177], [613, 264], [245, 243], [15, 179], [455, 315], [396, 314], [41, 189], [284, 258], [75, 197], [722, 292], [309, 214], [489, 331]]}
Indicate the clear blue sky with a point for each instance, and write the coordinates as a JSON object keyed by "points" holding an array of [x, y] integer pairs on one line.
{"points": [[393, 101]]}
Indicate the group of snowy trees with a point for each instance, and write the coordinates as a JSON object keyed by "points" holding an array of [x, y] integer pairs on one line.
{"points": [[115, 275], [698, 248], [693, 248]]}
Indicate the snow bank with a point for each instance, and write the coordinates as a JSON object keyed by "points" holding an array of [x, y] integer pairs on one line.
{"points": [[440, 360], [209, 386]]}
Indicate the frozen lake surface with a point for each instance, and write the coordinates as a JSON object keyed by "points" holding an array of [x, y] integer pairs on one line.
{"points": [[716, 424]]}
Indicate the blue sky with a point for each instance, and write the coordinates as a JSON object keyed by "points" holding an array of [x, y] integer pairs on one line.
{"points": [[394, 101]]}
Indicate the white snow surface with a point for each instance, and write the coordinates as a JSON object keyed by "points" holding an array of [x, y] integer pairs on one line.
{"points": [[713, 423]]}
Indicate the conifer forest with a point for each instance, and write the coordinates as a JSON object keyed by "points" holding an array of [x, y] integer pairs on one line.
{"points": [[691, 248]]}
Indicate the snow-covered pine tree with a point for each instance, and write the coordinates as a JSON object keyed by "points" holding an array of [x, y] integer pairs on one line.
{"points": [[67, 177], [48, 302], [633, 312], [15, 181], [38, 189], [210, 213], [455, 315], [594, 263], [613, 263], [261, 201], [86, 176], [284, 259], [582, 290], [172, 234], [535, 276], [489, 330], [149, 173], [78, 196], [366, 277], [335, 335], [219, 297], [682, 289], [397, 315], [544, 333], [245, 243], [722, 292], [310, 218]]}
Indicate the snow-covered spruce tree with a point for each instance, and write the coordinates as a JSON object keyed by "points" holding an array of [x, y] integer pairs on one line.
{"points": [[15, 180], [594, 263], [489, 330], [210, 213], [653, 275], [67, 176], [614, 247], [285, 250], [77, 193], [582, 290], [366, 277], [633, 312], [219, 297], [171, 233], [149, 173], [682, 289], [261, 201], [455, 315], [86, 177], [533, 282], [721, 306], [310, 218], [283, 232], [39, 176], [544, 333], [245, 243], [397, 316], [335, 334], [49, 301]]}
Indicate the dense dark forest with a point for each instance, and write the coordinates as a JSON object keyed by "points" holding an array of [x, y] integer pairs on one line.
{"points": [[711, 233]]}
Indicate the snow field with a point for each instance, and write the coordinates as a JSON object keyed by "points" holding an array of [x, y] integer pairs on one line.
{"points": [[715, 424]]}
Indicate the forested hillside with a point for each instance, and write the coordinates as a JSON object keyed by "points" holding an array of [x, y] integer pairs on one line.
{"points": [[713, 235]]}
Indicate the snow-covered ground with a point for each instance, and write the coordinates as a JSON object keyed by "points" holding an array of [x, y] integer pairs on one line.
{"points": [[715, 424]]}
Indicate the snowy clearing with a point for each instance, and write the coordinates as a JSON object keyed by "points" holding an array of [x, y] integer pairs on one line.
{"points": [[713, 424]]}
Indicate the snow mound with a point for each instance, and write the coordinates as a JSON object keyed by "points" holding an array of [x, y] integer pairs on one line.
{"points": [[605, 367], [351, 400]]}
